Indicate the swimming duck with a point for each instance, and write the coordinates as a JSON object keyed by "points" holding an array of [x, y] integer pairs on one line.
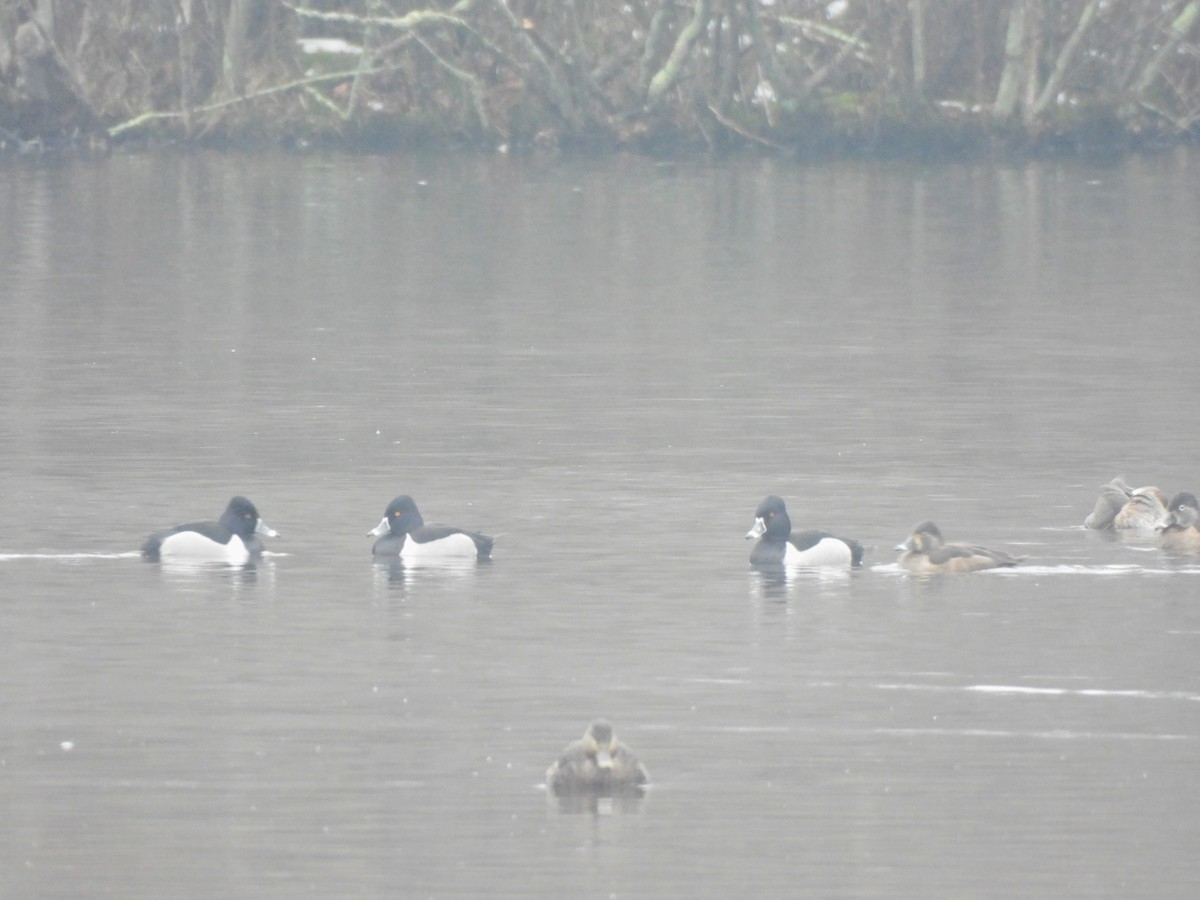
{"points": [[1121, 507], [927, 553], [408, 537], [779, 545], [1180, 527], [230, 539], [596, 763]]}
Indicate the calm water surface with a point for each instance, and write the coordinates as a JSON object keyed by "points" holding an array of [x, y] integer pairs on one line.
{"points": [[608, 364]]}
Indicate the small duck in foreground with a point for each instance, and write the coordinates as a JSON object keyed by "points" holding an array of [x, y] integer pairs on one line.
{"points": [[779, 545], [231, 539], [1180, 528], [406, 536], [927, 553], [1120, 507], [598, 764]]}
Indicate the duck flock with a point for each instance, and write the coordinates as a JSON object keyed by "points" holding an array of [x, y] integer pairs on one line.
{"points": [[403, 535], [598, 764], [1174, 526]]}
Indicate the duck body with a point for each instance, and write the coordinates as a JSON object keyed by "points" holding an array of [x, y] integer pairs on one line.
{"points": [[1122, 508], [1110, 502], [231, 539], [597, 763], [406, 536], [778, 545], [1179, 529], [927, 553]]}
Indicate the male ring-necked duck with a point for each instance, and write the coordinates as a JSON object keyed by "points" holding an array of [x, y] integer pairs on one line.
{"points": [[406, 536], [779, 545], [596, 763], [231, 539], [926, 553], [1180, 527], [1120, 507]]}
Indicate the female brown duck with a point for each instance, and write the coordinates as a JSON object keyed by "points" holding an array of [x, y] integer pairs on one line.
{"points": [[1180, 528], [598, 764], [1120, 507], [927, 553]]}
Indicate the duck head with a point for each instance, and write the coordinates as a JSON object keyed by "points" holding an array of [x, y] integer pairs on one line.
{"points": [[401, 517], [242, 519], [771, 519]]}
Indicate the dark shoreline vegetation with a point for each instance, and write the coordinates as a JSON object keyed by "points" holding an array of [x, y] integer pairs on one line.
{"points": [[872, 78]]}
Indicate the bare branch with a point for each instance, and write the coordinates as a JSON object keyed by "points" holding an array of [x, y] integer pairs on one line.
{"points": [[818, 31], [559, 96], [815, 79], [654, 34], [1179, 30], [1050, 90], [414, 19], [665, 77], [742, 131], [1009, 91], [765, 52], [138, 121], [474, 85]]}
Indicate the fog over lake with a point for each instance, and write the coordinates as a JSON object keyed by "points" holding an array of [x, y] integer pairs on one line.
{"points": [[606, 364]]}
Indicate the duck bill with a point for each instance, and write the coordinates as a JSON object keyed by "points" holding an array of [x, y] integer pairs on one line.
{"points": [[759, 529], [604, 758], [381, 529], [904, 545], [261, 527]]}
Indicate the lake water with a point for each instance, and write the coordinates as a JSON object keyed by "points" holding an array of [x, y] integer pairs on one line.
{"points": [[608, 364]]}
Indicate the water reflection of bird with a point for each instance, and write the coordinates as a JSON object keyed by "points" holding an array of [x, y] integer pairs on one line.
{"points": [[779, 545], [1121, 507], [405, 535], [231, 539], [1180, 528], [597, 763], [927, 553]]}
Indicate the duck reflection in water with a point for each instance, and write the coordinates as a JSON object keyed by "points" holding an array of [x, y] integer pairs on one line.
{"points": [[396, 574], [776, 584], [594, 768]]}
